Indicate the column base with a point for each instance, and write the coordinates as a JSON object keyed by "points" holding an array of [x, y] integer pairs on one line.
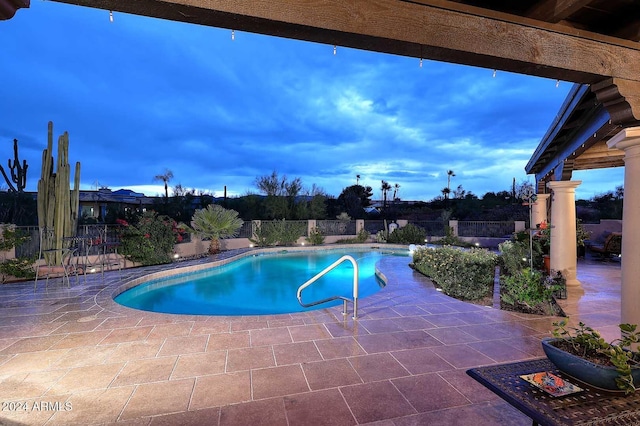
{"points": [[573, 283]]}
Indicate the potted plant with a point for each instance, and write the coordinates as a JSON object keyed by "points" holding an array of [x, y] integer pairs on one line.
{"points": [[582, 353]]}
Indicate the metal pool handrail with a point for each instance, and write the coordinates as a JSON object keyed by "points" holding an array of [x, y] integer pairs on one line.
{"points": [[344, 299]]}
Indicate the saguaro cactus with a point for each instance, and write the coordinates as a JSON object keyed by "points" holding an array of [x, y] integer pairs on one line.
{"points": [[18, 171], [57, 203]]}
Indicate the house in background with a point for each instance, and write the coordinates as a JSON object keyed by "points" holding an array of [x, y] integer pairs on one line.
{"points": [[95, 204]]}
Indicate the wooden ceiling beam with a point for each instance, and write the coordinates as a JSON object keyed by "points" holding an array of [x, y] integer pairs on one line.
{"points": [[8, 8], [417, 29], [630, 31], [599, 150], [555, 11]]}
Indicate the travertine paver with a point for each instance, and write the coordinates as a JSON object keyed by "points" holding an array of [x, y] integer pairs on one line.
{"points": [[90, 361]]}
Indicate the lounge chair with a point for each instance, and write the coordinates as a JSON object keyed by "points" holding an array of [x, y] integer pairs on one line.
{"points": [[612, 246]]}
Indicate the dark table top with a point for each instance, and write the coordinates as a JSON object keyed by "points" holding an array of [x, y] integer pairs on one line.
{"points": [[592, 406]]}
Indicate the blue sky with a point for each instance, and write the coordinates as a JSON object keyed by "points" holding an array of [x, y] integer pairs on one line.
{"points": [[141, 95]]}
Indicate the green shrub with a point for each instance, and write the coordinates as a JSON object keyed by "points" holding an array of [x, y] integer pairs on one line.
{"points": [[150, 241], [362, 237], [381, 236], [21, 267], [514, 257], [521, 238], [408, 234], [528, 291], [315, 237], [463, 274], [451, 240], [264, 235], [278, 232]]}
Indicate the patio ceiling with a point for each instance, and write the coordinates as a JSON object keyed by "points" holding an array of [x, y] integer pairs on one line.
{"points": [[572, 40]]}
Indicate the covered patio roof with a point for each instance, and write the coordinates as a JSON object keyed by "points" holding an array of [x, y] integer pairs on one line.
{"points": [[576, 139], [582, 41]]}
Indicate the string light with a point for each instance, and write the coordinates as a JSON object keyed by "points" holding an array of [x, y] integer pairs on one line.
{"points": [[494, 73], [335, 49], [233, 34], [110, 16]]}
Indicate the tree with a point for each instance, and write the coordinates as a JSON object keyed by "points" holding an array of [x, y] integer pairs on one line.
{"points": [[459, 193], [450, 174], [385, 187], [522, 190], [445, 192], [281, 195], [354, 198], [271, 185], [165, 177], [396, 189], [215, 222]]}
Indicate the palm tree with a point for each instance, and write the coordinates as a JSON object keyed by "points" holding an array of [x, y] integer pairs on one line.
{"points": [[385, 187], [215, 222], [446, 192], [450, 174], [166, 177], [396, 188]]}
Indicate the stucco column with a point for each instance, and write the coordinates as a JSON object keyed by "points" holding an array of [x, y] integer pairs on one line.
{"points": [[628, 140], [563, 229], [539, 210]]}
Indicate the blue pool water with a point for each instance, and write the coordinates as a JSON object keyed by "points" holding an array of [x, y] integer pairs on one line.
{"points": [[259, 285]]}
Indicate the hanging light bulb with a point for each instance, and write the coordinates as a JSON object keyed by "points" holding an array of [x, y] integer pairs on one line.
{"points": [[420, 62], [110, 16], [557, 83], [494, 73], [335, 49], [233, 34]]}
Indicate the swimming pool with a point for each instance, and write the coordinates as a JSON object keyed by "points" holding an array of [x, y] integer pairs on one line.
{"points": [[260, 284]]}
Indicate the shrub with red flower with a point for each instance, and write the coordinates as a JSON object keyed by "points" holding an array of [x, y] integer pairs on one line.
{"points": [[149, 241]]}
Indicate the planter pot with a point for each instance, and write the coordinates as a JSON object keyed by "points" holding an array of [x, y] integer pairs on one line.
{"points": [[547, 263], [600, 376]]}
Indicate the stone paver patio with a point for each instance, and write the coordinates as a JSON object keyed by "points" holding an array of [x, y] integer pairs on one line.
{"points": [[73, 356]]}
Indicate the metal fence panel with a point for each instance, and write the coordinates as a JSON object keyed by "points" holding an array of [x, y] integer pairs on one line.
{"points": [[485, 228], [246, 230], [373, 226], [433, 228], [336, 227]]}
